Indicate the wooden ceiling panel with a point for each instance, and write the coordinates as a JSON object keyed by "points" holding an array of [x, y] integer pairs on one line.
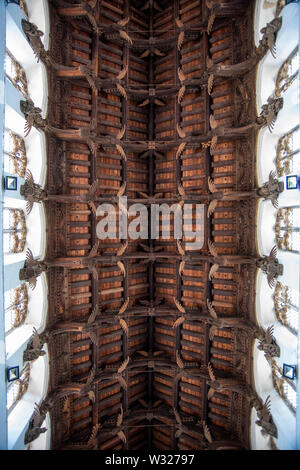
{"points": [[140, 358]]}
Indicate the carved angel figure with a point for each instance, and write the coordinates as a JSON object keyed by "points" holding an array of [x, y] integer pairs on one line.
{"points": [[32, 269], [271, 189], [34, 35], [34, 347], [269, 36], [268, 344], [220, 384], [35, 425], [271, 267], [269, 112], [32, 115], [265, 419], [31, 191]]}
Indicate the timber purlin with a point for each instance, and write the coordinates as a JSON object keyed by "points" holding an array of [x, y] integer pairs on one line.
{"points": [[128, 365]]}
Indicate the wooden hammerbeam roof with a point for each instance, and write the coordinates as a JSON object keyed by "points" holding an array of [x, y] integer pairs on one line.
{"points": [[150, 345]]}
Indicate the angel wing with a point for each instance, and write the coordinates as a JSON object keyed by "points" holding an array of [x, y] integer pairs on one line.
{"points": [[212, 248], [66, 406], [181, 93], [159, 102], [181, 268], [124, 326], [211, 372], [158, 52], [122, 74], [91, 375], [181, 190], [212, 121], [123, 366], [211, 208], [143, 403], [179, 306], [28, 126], [126, 37], [179, 361], [93, 189], [91, 396], [213, 271], [178, 322], [124, 306], [266, 409], [36, 342], [29, 258], [209, 63], [94, 249], [180, 40], [213, 144], [271, 39], [122, 267], [124, 21], [207, 433], [273, 254], [122, 382], [143, 353], [144, 195], [180, 149], [158, 353], [211, 310], [211, 185], [29, 177], [120, 417], [270, 120], [32, 283], [179, 23], [210, 83], [121, 190], [121, 133], [38, 417], [93, 337], [212, 331], [181, 132], [210, 22], [181, 75], [29, 206], [144, 103], [180, 248], [122, 436], [93, 435], [269, 334], [122, 90], [122, 249], [271, 280], [121, 151], [94, 273], [145, 54]]}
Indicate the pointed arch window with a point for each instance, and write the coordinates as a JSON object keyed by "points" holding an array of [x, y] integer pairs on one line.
{"points": [[288, 72], [287, 155], [286, 302], [16, 74], [287, 228], [16, 307], [17, 388], [285, 387], [14, 230], [15, 158]]}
